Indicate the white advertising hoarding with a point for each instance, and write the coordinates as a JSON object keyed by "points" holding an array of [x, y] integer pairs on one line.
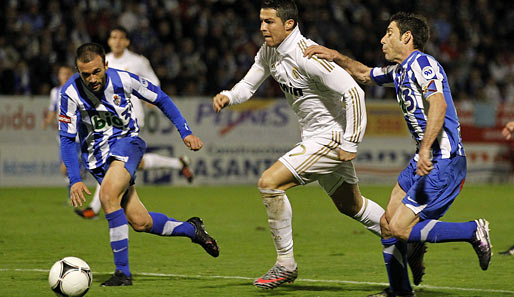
{"points": [[239, 144]]}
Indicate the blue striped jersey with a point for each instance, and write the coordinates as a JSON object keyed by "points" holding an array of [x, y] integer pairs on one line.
{"points": [[100, 120], [415, 80]]}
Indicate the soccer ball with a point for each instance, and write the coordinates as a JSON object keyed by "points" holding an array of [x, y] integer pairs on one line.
{"points": [[70, 277]]}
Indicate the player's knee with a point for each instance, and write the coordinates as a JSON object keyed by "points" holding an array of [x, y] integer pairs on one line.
{"points": [[266, 182], [108, 199], [398, 231], [106, 195], [384, 227]]}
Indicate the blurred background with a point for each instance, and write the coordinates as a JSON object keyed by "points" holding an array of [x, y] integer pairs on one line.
{"points": [[198, 48], [202, 47]]}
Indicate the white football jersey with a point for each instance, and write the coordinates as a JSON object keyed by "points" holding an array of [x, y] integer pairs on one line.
{"points": [[53, 105], [138, 65], [322, 94]]}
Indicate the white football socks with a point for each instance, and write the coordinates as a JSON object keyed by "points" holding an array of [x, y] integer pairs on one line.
{"points": [[157, 161], [280, 215], [95, 203], [370, 215]]}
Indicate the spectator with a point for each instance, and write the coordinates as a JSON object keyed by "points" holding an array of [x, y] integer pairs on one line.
{"points": [[204, 36]]}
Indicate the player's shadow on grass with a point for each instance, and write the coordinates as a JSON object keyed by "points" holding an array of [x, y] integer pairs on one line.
{"points": [[288, 289]]}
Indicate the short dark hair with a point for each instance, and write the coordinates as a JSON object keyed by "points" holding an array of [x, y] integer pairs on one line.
{"points": [[286, 9], [414, 23], [88, 51], [123, 30]]}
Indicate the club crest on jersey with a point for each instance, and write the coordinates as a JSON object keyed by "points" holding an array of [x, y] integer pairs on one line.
{"points": [[295, 73], [116, 99], [428, 72]]}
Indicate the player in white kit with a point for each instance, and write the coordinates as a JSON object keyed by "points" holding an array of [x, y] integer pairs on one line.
{"points": [[122, 58], [331, 113]]}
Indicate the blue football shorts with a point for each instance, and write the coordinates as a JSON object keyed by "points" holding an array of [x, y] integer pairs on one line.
{"points": [[129, 150], [431, 195]]}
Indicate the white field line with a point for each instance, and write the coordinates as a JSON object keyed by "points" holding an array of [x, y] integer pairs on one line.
{"points": [[300, 279]]}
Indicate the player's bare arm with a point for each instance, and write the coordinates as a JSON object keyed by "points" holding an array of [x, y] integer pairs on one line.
{"points": [[193, 142], [435, 122], [49, 119], [508, 130], [357, 70], [77, 193], [219, 102]]}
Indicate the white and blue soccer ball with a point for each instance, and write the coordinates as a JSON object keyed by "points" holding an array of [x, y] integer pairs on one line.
{"points": [[70, 277]]}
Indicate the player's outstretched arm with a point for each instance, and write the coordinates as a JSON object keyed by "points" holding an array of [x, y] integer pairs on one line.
{"points": [[219, 102], [508, 130], [357, 70], [193, 142], [49, 119]]}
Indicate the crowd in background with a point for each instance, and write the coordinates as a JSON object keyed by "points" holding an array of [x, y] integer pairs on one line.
{"points": [[199, 47]]}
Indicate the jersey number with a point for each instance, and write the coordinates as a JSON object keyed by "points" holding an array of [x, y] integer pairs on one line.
{"points": [[408, 102]]}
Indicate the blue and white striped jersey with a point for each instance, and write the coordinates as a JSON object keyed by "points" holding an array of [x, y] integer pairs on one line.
{"points": [[416, 79], [99, 122]]}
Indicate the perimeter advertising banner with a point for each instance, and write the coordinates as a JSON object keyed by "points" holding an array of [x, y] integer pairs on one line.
{"points": [[239, 143]]}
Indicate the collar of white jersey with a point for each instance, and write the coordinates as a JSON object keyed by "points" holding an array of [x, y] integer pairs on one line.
{"points": [[290, 41]]}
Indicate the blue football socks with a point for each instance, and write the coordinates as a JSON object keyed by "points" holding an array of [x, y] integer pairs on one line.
{"points": [[436, 231], [165, 226], [395, 258], [118, 232]]}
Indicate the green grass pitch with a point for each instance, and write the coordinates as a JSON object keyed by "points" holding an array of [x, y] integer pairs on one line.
{"points": [[336, 255]]}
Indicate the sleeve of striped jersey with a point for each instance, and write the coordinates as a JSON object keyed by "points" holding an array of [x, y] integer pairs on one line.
{"points": [[428, 75], [145, 90], [67, 115], [70, 158], [253, 79], [383, 76], [171, 111], [340, 81]]}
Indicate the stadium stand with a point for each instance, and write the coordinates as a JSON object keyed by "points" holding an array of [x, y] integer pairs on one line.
{"points": [[200, 47]]}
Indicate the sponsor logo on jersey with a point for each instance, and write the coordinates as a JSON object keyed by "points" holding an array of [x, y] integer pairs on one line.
{"points": [[428, 72], [64, 119], [291, 90], [105, 120]]}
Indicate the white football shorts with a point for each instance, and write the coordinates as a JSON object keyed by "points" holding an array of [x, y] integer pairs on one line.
{"points": [[317, 159]]}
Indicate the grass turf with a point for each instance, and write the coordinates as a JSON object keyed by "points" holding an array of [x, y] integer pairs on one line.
{"points": [[336, 255]]}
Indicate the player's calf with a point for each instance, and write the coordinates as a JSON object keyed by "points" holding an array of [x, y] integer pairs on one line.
{"points": [[415, 254]]}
